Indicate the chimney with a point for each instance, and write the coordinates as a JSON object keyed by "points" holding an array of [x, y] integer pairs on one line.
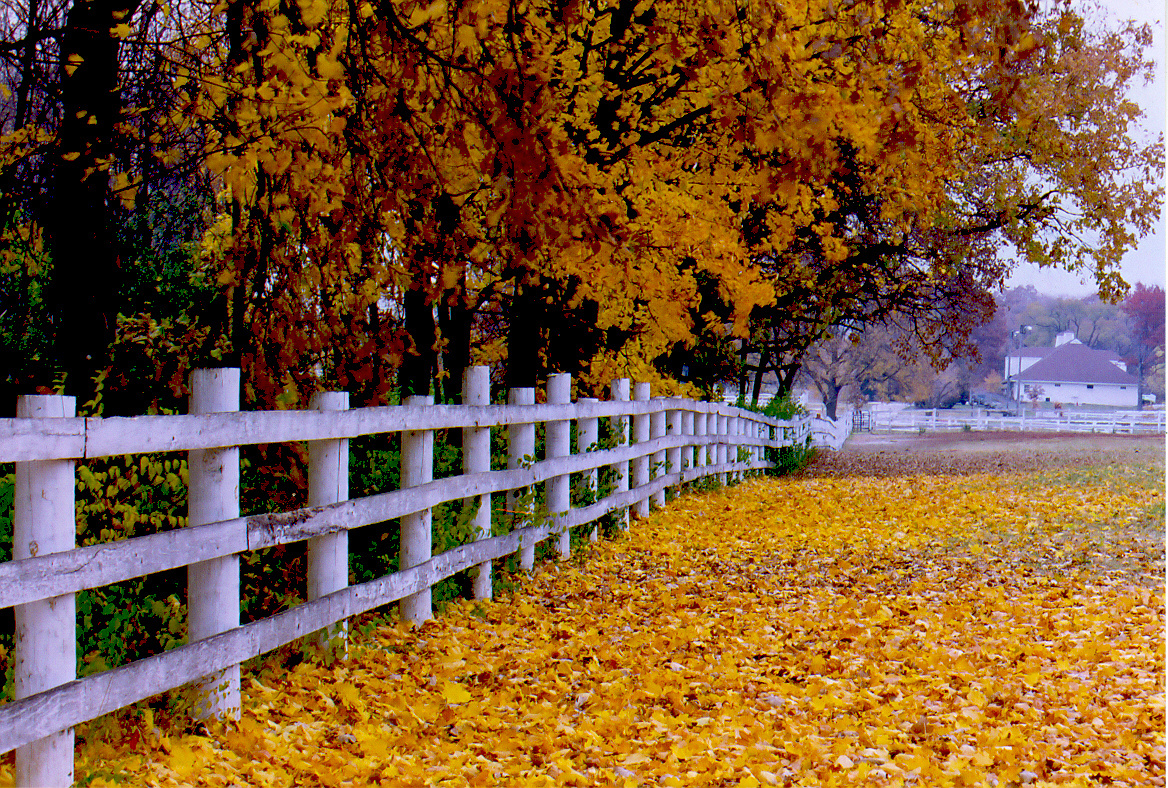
{"points": [[1064, 338]]}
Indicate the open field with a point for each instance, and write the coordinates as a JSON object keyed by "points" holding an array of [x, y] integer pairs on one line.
{"points": [[923, 623], [867, 454]]}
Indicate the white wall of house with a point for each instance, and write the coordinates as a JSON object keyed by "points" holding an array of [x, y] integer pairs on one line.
{"points": [[1019, 363], [1086, 394]]}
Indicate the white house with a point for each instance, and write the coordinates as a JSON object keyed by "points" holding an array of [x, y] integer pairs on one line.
{"points": [[1072, 374]]}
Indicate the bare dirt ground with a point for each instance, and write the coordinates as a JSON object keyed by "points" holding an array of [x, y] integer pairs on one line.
{"points": [[878, 454]]}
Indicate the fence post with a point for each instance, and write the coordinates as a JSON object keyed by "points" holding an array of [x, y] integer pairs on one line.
{"points": [[417, 467], [46, 630], [587, 436], [476, 458], [689, 451], [520, 453], [213, 586], [559, 444], [641, 436], [712, 449], [723, 432], [736, 431], [700, 424], [619, 392], [328, 482], [673, 456], [657, 427]]}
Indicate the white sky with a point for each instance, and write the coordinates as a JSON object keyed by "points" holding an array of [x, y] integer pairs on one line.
{"points": [[1148, 261]]}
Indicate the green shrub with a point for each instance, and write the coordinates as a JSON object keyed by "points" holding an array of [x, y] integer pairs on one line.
{"points": [[787, 459]]}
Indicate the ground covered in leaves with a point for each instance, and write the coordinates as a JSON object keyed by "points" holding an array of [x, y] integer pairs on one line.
{"points": [[919, 629]]}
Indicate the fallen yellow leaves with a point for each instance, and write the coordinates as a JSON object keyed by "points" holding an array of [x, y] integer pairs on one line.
{"points": [[918, 631]]}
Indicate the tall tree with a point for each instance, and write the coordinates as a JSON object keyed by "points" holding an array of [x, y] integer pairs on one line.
{"points": [[88, 132], [1144, 308]]}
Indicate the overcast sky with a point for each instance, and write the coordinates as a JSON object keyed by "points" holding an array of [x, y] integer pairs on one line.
{"points": [[1147, 262]]}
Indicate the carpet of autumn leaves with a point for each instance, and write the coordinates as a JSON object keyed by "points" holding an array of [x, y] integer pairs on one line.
{"points": [[918, 629]]}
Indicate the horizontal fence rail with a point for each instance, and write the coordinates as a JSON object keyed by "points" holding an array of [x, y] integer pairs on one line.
{"points": [[673, 441], [1118, 422], [829, 433]]}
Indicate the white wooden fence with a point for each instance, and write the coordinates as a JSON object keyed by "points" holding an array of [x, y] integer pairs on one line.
{"points": [[1119, 422], [829, 433], [682, 439]]}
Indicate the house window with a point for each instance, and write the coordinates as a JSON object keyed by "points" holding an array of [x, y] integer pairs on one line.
{"points": [[1123, 388], [1056, 385], [1090, 385]]}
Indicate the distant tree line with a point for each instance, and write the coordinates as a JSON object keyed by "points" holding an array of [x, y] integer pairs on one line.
{"points": [[883, 362]]}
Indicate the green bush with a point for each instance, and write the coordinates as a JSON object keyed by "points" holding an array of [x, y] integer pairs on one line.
{"points": [[787, 459], [783, 408]]}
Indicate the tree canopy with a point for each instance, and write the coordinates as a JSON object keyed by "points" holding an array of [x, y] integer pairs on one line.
{"points": [[374, 195]]}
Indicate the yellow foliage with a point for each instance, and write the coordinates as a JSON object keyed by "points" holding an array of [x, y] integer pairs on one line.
{"points": [[815, 631]]}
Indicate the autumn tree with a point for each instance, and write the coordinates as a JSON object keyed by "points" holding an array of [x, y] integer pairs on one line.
{"points": [[637, 174], [1036, 139], [1144, 310], [87, 136]]}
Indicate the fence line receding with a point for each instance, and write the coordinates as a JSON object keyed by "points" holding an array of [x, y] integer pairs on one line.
{"points": [[673, 441]]}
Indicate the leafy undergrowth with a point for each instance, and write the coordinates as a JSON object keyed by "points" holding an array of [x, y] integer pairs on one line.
{"points": [[919, 630]]}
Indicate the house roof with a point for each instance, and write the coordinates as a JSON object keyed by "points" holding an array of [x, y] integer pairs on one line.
{"points": [[1077, 363]]}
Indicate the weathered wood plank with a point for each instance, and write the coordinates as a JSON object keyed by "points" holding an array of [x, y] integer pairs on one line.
{"points": [[97, 565], [41, 439], [69, 704], [173, 433], [24, 439], [47, 576]]}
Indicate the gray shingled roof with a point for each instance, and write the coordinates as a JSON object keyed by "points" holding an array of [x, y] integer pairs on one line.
{"points": [[1076, 363]]}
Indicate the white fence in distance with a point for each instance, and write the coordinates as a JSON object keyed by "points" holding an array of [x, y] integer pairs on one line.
{"points": [[829, 433], [682, 440], [1114, 422]]}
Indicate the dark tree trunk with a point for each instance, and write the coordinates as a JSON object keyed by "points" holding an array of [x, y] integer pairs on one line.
{"points": [[417, 367], [376, 386], [742, 370], [786, 379], [524, 337], [82, 297], [454, 320], [764, 360], [831, 401], [26, 65]]}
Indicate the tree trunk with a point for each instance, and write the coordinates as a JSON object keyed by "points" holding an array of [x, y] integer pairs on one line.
{"points": [[418, 365], [376, 387], [763, 361], [32, 32], [831, 401], [786, 379], [454, 321], [524, 338], [82, 297], [742, 370]]}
